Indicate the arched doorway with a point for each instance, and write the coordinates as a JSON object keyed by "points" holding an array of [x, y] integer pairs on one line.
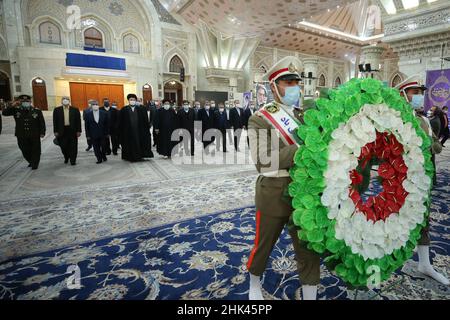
{"points": [[5, 89], [337, 82], [147, 93], [396, 80], [39, 94], [173, 91]]}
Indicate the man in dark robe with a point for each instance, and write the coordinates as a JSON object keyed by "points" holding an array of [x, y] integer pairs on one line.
{"points": [[186, 118], [134, 132], [165, 124]]}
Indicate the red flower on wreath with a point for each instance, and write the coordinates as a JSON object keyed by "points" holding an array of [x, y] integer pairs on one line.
{"points": [[392, 170]]}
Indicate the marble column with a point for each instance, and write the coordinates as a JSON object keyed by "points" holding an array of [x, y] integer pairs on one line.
{"points": [[310, 65]]}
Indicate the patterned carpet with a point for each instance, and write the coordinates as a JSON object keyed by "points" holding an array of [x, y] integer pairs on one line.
{"points": [[127, 245], [202, 258]]}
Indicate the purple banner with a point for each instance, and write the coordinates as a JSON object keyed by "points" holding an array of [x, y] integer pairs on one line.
{"points": [[438, 93]]}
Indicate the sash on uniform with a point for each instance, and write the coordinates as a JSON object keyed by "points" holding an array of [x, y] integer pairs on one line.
{"points": [[282, 121]]}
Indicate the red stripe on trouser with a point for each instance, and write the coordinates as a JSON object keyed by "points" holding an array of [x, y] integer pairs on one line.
{"points": [[252, 255]]}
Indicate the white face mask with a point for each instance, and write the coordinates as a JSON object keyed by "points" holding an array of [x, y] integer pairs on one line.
{"points": [[132, 103], [238, 106], [221, 109], [167, 106], [207, 107], [114, 106], [213, 105], [65, 102], [96, 107]]}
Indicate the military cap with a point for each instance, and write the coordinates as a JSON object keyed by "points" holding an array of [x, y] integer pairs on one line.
{"points": [[287, 68]]}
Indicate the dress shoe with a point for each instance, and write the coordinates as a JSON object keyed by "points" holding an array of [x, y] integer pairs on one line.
{"points": [[34, 168], [100, 161], [29, 166], [105, 159], [73, 163], [66, 161]]}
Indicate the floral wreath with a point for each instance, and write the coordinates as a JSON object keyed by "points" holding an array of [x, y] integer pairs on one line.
{"points": [[361, 125]]}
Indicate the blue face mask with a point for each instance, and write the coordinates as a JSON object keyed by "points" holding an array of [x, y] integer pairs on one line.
{"points": [[417, 101], [291, 96]]}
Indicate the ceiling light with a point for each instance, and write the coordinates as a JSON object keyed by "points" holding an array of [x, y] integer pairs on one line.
{"points": [[409, 4]]}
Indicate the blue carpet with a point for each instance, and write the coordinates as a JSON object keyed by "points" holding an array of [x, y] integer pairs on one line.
{"points": [[203, 258]]}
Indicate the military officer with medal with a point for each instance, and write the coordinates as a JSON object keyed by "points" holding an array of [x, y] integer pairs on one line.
{"points": [[30, 128], [273, 144]]}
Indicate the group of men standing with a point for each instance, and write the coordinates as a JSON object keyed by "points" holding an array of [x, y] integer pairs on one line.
{"points": [[225, 118], [107, 128]]}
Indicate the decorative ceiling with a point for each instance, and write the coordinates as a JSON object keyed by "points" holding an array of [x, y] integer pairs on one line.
{"points": [[329, 28]]}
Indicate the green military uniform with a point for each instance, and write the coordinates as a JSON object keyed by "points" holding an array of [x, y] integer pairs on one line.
{"points": [[30, 126], [273, 205]]}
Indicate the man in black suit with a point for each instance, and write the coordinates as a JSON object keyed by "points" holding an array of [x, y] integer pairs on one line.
{"points": [[248, 112], [237, 122], [67, 129], [113, 124], [186, 118], [206, 116], [30, 129], [222, 122], [85, 112], [97, 130]]}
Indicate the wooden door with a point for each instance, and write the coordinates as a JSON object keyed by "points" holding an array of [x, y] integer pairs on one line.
{"points": [[116, 95], [81, 93], [147, 94], [39, 94], [78, 95]]}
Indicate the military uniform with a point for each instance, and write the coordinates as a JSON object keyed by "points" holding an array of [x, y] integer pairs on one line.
{"points": [[30, 126], [274, 209]]}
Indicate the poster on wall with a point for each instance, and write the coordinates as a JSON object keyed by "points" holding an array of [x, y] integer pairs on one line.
{"points": [[438, 93], [263, 94], [246, 97]]}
